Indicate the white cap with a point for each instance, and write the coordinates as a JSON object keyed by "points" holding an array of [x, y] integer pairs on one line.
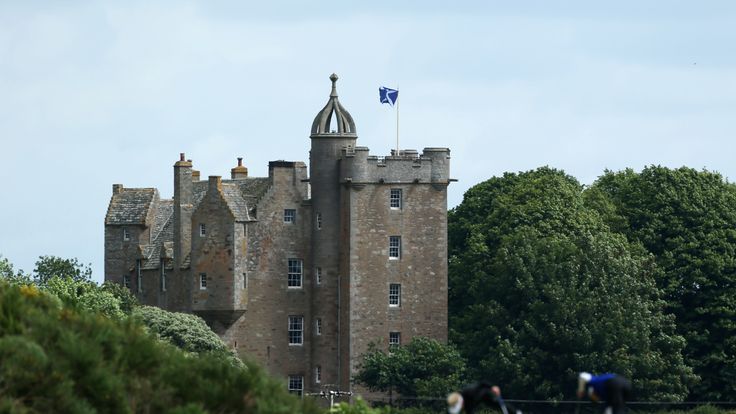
{"points": [[454, 403], [583, 379]]}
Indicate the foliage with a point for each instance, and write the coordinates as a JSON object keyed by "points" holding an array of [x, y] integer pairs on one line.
{"points": [[687, 219], [358, 407], [541, 288], [8, 272], [183, 330], [48, 267], [55, 358], [423, 368], [127, 301], [84, 294]]}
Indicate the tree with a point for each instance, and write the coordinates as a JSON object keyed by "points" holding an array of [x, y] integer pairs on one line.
{"points": [[687, 219], [85, 294], [48, 267], [541, 288], [423, 368], [183, 330], [8, 272]]}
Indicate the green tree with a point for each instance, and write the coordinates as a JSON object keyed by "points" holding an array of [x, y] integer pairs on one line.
{"points": [[423, 368], [48, 267], [8, 272], [540, 288], [85, 294], [687, 219]]}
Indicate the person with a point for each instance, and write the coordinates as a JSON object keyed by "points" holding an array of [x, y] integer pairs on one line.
{"points": [[475, 395], [612, 389]]}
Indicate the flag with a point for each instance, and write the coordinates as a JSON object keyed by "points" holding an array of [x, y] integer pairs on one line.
{"points": [[388, 95]]}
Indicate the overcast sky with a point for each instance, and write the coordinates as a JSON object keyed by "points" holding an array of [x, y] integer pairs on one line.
{"points": [[93, 94]]}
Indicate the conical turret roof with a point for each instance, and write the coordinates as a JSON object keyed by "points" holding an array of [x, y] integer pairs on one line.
{"points": [[343, 121]]}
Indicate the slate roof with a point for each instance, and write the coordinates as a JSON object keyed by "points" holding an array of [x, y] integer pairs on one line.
{"points": [[130, 206]]}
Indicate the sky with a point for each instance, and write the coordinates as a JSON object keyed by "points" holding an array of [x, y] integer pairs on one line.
{"points": [[96, 93]]}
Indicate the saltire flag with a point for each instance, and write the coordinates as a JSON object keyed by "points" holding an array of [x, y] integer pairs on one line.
{"points": [[388, 95]]}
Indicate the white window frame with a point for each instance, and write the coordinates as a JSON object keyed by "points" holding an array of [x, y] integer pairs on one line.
{"points": [[126, 281], [296, 330], [394, 295], [126, 234], [394, 247], [318, 326], [318, 275], [294, 273], [394, 338], [202, 230], [139, 275], [289, 215], [203, 281], [395, 199], [319, 221], [296, 384], [318, 374]]}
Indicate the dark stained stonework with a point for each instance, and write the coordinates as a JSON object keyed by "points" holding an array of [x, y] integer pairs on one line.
{"points": [[221, 249]]}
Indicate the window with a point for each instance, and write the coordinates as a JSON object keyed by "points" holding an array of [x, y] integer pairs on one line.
{"points": [[395, 199], [295, 273], [296, 330], [318, 326], [296, 384], [319, 221], [318, 374], [319, 275], [394, 294], [289, 215], [202, 230], [163, 275], [394, 338], [126, 281], [394, 247], [139, 275], [126, 234], [203, 281]]}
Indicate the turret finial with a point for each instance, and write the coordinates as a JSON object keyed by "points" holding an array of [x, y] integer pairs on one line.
{"points": [[334, 78]]}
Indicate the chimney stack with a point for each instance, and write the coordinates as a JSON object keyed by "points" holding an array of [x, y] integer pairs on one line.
{"points": [[183, 199], [117, 188], [239, 172]]}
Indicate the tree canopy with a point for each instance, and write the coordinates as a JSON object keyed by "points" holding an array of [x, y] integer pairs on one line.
{"points": [[687, 220], [48, 267], [541, 288]]}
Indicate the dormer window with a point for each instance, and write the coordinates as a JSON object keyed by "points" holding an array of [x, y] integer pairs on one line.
{"points": [[202, 230], [126, 234]]}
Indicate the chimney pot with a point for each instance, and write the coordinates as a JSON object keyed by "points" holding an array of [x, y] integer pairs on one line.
{"points": [[181, 156], [240, 161]]}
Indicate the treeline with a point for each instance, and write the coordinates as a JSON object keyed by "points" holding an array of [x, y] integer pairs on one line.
{"points": [[70, 345], [635, 274]]}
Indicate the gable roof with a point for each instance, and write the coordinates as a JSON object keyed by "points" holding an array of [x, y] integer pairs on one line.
{"points": [[130, 206]]}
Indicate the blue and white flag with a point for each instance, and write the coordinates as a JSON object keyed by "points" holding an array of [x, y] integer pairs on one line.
{"points": [[388, 95]]}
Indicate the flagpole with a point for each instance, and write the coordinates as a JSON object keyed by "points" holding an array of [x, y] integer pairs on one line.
{"points": [[397, 121]]}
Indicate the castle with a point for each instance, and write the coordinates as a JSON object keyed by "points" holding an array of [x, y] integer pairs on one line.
{"points": [[297, 271]]}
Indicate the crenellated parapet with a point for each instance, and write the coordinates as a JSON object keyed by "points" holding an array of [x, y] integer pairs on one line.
{"points": [[432, 166]]}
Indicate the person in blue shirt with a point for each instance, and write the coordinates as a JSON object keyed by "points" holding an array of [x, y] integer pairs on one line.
{"points": [[613, 390]]}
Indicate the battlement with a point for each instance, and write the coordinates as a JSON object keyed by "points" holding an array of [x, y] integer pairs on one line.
{"points": [[357, 166]]}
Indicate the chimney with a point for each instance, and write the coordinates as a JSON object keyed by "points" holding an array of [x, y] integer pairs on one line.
{"points": [[183, 207], [117, 188], [195, 175], [239, 172], [214, 185]]}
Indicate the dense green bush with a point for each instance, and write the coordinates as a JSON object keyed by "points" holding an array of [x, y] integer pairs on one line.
{"points": [[57, 358]]}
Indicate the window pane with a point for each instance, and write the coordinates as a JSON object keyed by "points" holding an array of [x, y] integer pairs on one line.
{"points": [[394, 294], [394, 247], [296, 326], [289, 215], [294, 278], [296, 384], [395, 198]]}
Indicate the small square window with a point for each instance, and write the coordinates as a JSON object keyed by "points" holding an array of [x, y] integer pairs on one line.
{"points": [[289, 215], [318, 326], [394, 294], [203, 281], [294, 279], [395, 199], [319, 275], [394, 338], [394, 247], [202, 230], [126, 234], [296, 330], [296, 384], [318, 374], [319, 221]]}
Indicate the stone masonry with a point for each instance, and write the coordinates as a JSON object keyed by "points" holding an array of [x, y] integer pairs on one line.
{"points": [[300, 270]]}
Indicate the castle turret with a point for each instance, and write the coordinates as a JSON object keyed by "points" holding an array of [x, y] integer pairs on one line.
{"points": [[332, 130]]}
